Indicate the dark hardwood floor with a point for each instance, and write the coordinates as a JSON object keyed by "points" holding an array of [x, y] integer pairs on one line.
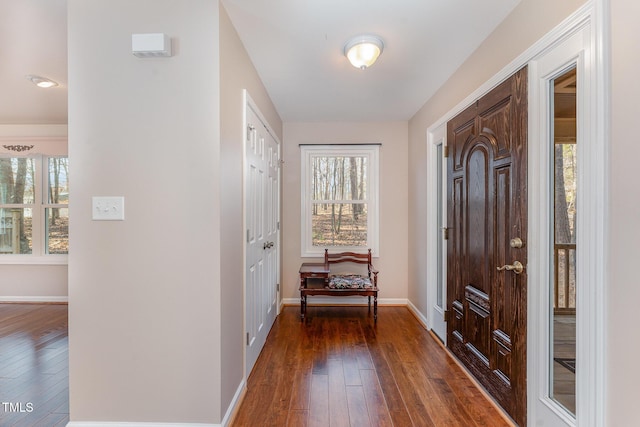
{"points": [[338, 368], [34, 373]]}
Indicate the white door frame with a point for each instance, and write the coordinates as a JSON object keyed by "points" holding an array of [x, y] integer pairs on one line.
{"points": [[436, 320], [593, 213], [577, 43]]}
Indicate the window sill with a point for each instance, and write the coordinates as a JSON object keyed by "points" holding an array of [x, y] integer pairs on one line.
{"points": [[34, 260]]}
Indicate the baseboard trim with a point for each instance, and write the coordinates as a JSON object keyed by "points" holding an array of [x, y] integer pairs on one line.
{"points": [[418, 315], [34, 300], [235, 404], [133, 424], [351, 301]]}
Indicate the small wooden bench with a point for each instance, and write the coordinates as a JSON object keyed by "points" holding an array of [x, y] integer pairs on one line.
{"points": [[351, 284]]}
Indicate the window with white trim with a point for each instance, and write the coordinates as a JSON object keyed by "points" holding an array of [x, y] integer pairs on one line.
{"points": [[339, 198], [34, 214]]}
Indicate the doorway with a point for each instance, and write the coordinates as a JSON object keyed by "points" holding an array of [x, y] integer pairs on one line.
{"points": [[574, 44], [487, 249], [262, 224]]}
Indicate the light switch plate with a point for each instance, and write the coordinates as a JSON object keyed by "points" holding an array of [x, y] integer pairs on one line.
{"points": [[107, 208]]}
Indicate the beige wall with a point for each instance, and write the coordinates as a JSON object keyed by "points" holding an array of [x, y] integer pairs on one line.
{"points": [[623, 344], [34, 282], [528, 22], [392, 263], [145, 293], [236, 73]]}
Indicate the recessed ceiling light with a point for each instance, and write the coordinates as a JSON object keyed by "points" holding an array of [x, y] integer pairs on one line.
{"points": [[41, 81], [363, 50]]}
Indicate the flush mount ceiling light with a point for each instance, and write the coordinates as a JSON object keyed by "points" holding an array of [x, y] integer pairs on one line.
{"points": [[41, 81], [363, 51]]}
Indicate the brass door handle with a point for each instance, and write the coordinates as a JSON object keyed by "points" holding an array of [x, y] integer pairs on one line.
{"points": [[516, 267]]}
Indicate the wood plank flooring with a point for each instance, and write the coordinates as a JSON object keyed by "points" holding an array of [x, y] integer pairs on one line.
{"points": [[34, 373], [338, 368]]}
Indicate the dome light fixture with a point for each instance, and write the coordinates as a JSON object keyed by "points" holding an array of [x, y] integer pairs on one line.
{"points": [[362, 51], [42, 82]]}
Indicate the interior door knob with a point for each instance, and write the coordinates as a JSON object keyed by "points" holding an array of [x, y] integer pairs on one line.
{"points": [[516, 267]]}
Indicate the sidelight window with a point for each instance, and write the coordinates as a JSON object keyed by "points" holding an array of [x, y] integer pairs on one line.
{"points": [[564, 194]]}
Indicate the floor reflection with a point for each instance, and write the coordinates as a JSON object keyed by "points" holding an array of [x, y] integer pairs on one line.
{"points": [[564, 345]]}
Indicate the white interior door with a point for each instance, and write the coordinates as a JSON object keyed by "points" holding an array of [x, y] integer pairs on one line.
{"points": [[262, 195]]}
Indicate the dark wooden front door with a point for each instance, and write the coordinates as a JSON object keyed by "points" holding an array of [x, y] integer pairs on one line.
{"points": [[487, 210]]}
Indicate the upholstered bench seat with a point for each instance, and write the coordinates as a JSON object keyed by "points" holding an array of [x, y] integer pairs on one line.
{"points": [[349, 281]]}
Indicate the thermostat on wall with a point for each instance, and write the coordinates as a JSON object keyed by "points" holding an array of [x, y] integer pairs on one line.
{"points": [[150, 45]]}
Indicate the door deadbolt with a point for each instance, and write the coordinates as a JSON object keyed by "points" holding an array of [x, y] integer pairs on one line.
{"points": [[516, 242]]}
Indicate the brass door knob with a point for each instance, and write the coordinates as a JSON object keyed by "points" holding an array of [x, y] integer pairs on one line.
{"points": [[516, 267]]}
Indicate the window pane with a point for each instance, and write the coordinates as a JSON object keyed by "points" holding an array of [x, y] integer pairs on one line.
{"points": [[58, 192], [562, 337], [565, 193], [339, 224], [339, 177], [57, 230], [17, 180], [15, 231]]}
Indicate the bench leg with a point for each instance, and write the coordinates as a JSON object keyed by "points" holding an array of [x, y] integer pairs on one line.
{"points": [[303, 306], [375, 308], [369, 297]]}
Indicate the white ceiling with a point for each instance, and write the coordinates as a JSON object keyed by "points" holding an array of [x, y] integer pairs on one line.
{"points": [[296, 46], [33, 40]]}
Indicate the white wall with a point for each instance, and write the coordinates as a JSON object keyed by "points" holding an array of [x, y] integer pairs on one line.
{"points": [[145, 293], [392, 263], [236, 73], [34, 282], [623, 344]]}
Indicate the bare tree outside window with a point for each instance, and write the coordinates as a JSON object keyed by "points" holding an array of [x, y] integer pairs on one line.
{"points": [[57, 213], [34, 191], [339, 198], [16, 198]]}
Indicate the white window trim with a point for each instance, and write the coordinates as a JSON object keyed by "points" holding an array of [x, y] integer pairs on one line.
{"points": [[38, 256], [373, 212]]}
